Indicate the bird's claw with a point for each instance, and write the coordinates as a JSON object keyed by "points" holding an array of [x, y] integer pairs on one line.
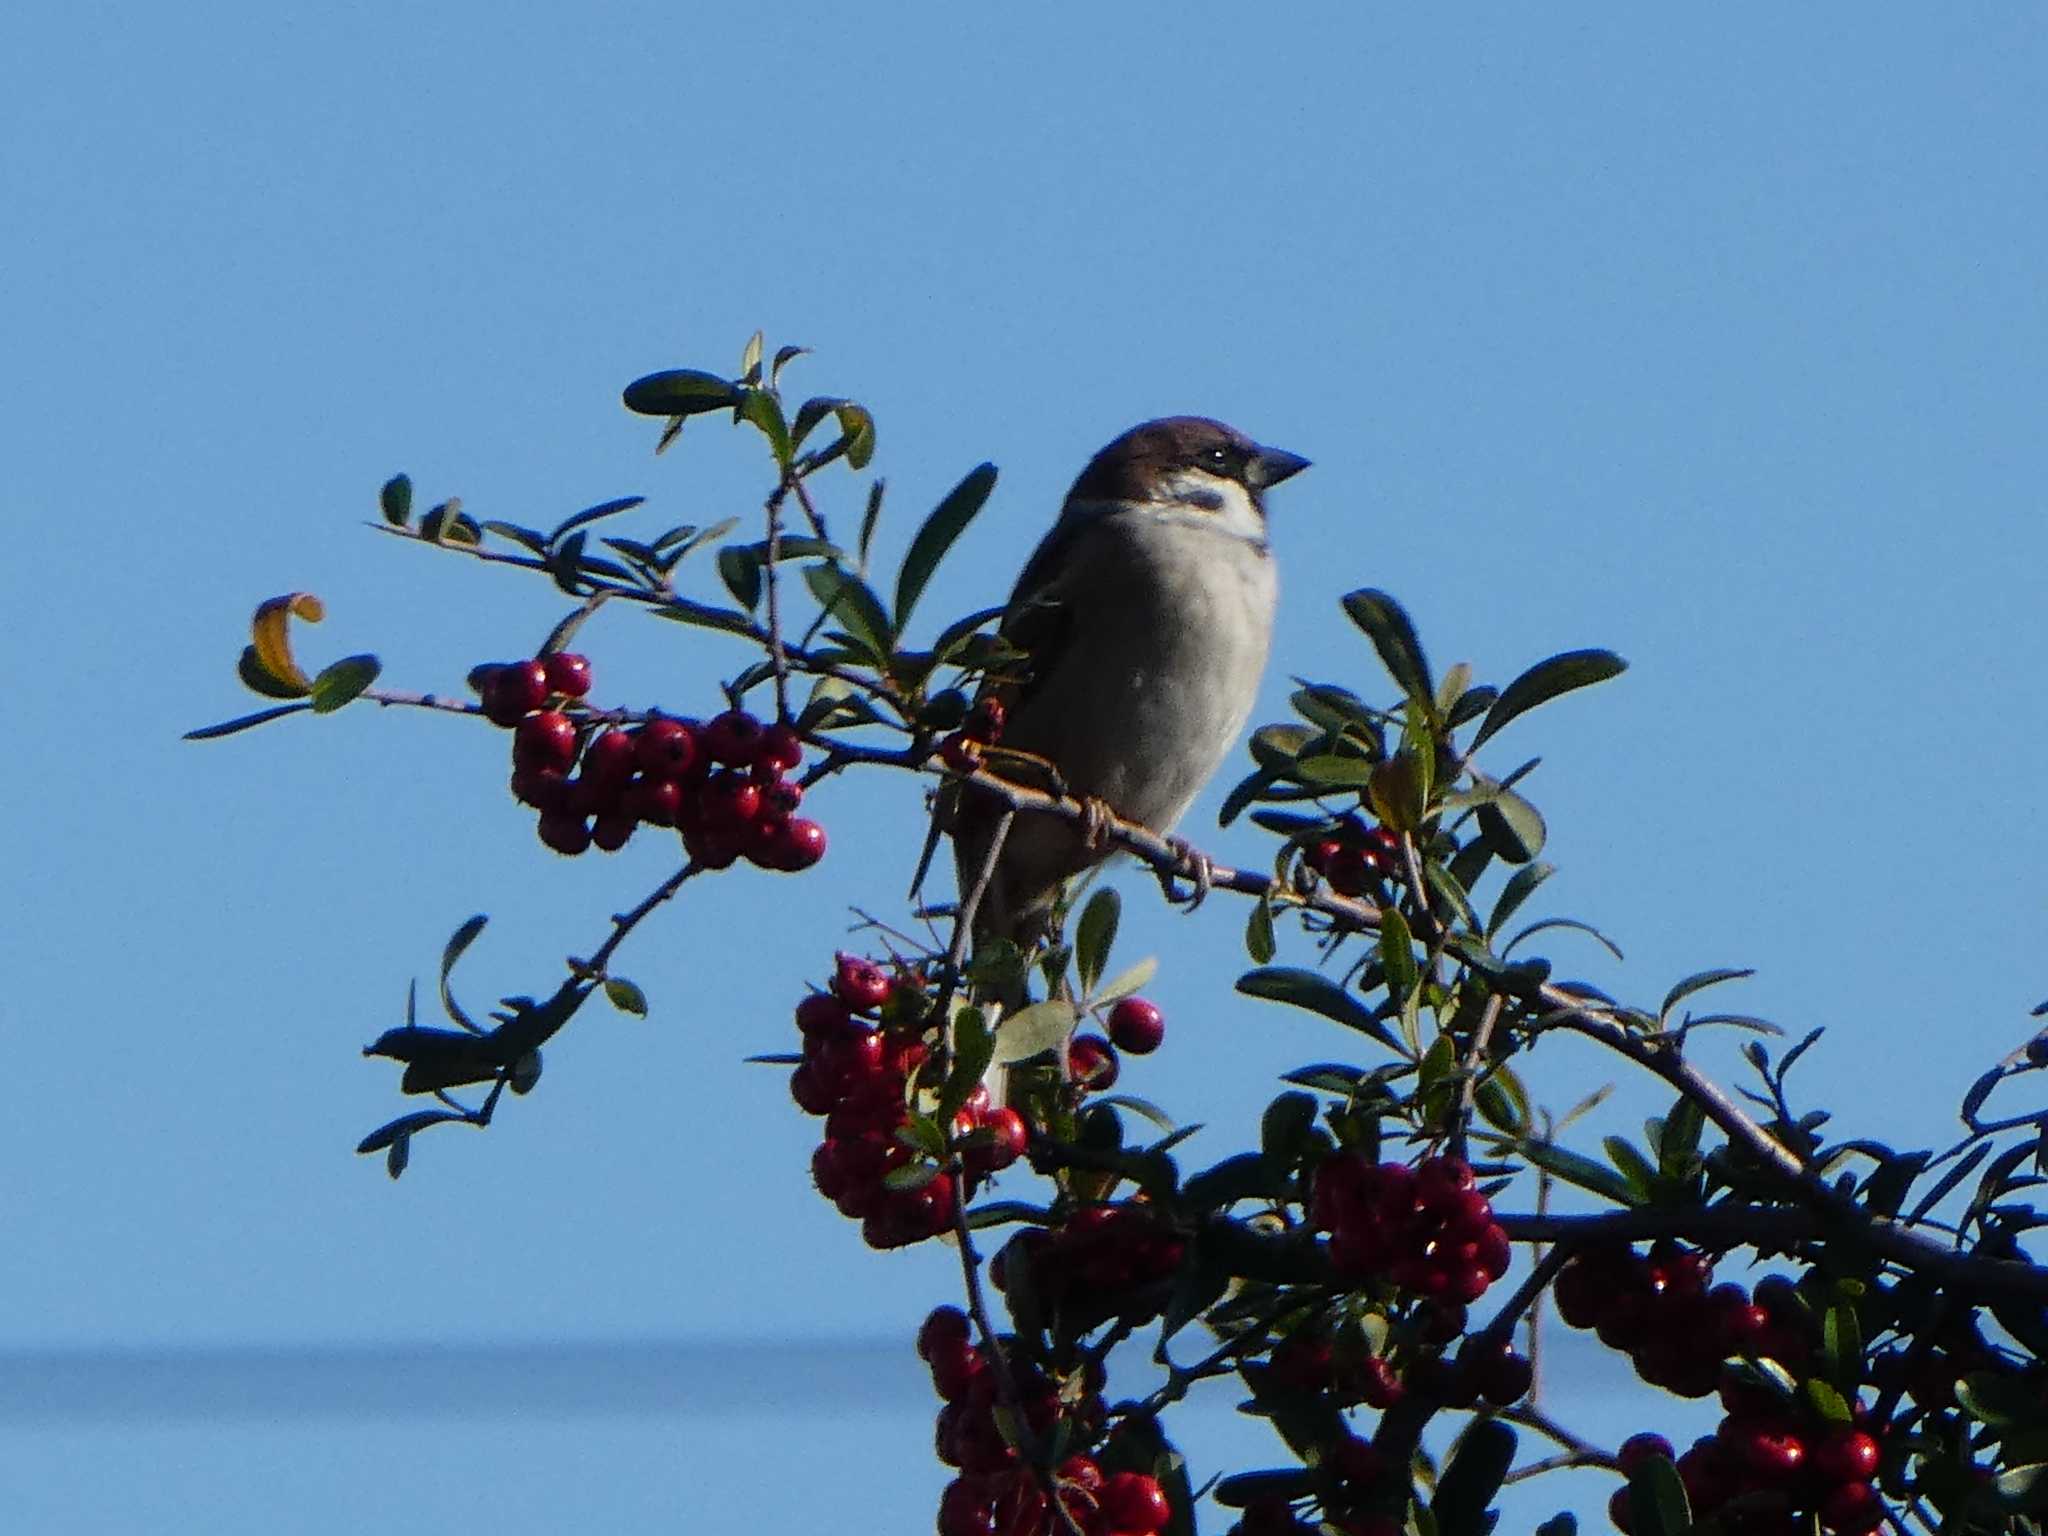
{"points": [[1197, 866], [1097, 818]]}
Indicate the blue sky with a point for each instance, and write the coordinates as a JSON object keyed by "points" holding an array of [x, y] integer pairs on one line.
{"points": [[1717, 340]]}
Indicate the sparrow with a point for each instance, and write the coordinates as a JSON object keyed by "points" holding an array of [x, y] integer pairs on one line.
{"points": [[1143, 619]]}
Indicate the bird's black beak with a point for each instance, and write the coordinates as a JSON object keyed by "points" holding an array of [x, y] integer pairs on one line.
{"points": [[1269, 466]]}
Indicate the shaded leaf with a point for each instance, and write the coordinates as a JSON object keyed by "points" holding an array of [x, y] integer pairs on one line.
{"points": [[1513, 827], [845, 597], [1545, 681], [1699, 982], [394, 500], [703, 615], [741, 572], [452, 951], [1477, 1467], [1094, 935], [929, 545], [1033, 1031], [1521, 885], [245, 722], [1657, 1504], [592, 514], [1318, 994], [1258, 933], [679, 392], [761, 410], [1578, 1170], [1392, 634], [404, 1126]]}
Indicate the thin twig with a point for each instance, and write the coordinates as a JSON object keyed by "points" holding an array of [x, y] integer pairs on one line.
{"points": [[778, 658]]}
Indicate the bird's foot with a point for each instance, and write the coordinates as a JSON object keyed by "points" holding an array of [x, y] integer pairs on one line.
{"points": [[1197, 866], [1097, 819]]}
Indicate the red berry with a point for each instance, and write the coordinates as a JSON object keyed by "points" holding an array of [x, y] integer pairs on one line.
{"points": [[1637, 1449], [1355, 1461], [729, 801], [1379, 1386], [941, 1326], [954, 1369], [1137, 1026], [822, 1014], [861, 984], [1082, 1472], [568, 674], [514, 691], [1852, 1509], [1504, 1379], [1091, 1061], [1005, 1138], [810, 1092], [1133, 1502], [611, 831], [711, 848], [780, 751], [1771, 1451], [657, 802], [1846, 1455], [564, 831], [1348, 872], [545, 740], [1618, 1512], [780, 798], [665, 747], [1439, 1180], [545, 789], [609, 757], [798, 845], [733, 738], [960, 752], [966, 1509], [985, 721]]}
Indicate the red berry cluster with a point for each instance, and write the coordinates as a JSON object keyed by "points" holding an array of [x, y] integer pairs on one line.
{"points": [[983, 728], [1667, 1315], [1101, 1261], [996, 1494], [724, 783], [1782, 1467], [1426, 1228], [861, 1059], [1354, 856]]}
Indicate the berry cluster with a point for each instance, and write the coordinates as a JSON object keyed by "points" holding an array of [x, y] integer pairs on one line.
{"points": [[1783, 1468], [962, 751], [1354, 856], [1426, 1228], [1667, 1315], [864, 1054], [1103, 1260], [723, 783], [996, 1493]]}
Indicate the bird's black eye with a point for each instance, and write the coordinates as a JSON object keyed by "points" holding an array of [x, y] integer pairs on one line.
{"points": [[1220, 459]]}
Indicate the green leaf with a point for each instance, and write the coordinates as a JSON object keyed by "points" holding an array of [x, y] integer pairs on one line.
{"points": [[1033, 1031], [343, 682], [1581, 1171], [1258, 933], [870, 517], [1246, 1176], [760, 409], [1502, 1102], [1095, 934], [1125, 982], [592, 514], [395, 500], [1285, 1128], [845, 597], [928, 547], [1145, 1109], [679, 392], [1513, 827], [1632, 1166], [1521, 885], [245, 722], [1317, 993], [1397, 956], [451, 952], [1334, 770], [1477, 1467], [1387, 625], [1656, 1500], [704, 616], [974, 1047], [1544, 682], [1248, 1487], [2023, 1490], [1699, 982], [1551, 923], [2000, 1401], [741, 572], [625, 996]]}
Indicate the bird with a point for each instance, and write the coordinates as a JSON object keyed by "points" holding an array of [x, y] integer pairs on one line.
{"points": [[1143, 620]]}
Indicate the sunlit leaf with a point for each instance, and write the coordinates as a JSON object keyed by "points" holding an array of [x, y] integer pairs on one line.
{"points": [[1545, 681], [929, 545]]}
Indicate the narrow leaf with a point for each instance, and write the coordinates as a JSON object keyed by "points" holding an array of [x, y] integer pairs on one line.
{"points": [[245, 722], [928, 547], [1521, 885], [1545, 681], [1318, 994], [679, 392], [1699, 982], [1387, 625], [1095, 934]]}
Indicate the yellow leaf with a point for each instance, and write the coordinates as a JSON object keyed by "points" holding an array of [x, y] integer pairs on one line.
{"points": [[270, 635]]}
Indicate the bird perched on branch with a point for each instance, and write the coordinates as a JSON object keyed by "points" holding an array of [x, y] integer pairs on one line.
{"points": [[1144, 619]]}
